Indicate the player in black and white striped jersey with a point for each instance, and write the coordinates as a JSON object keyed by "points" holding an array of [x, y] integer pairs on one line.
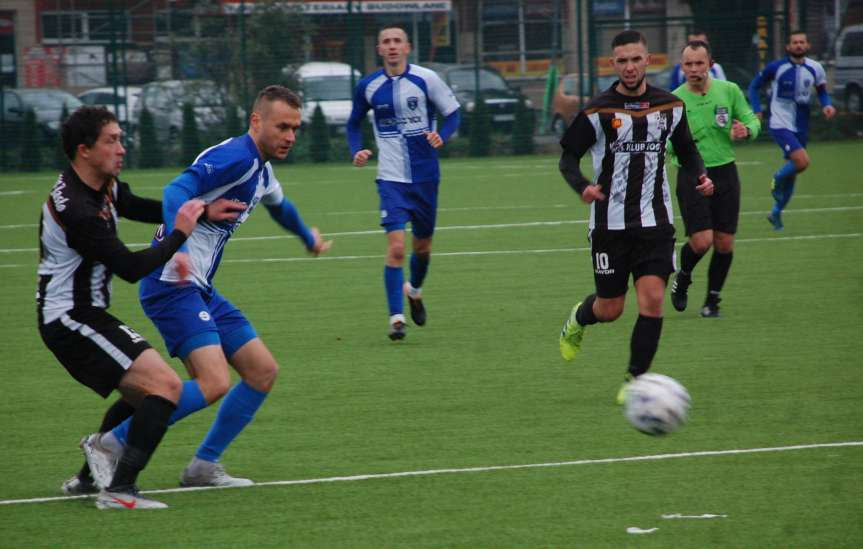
{"points": [[79, 253], [626, 128]]}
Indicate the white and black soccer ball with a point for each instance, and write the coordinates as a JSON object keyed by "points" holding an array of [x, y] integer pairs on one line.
{"points": [[656, 404]]}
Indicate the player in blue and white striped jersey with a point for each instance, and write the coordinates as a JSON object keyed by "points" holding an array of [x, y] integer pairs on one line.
{"points": [[199, 325], [792, 79], [406, 99]]}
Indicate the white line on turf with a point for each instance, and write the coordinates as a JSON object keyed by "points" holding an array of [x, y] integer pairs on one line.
{"points": [[460, 470], [478, 252], [463, 228]]}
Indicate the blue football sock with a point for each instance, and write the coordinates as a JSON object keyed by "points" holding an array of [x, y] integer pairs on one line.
{"points": [[394, 280], [191, 400], [786, 193], [419, 269], [786, 172], [237, 410]]}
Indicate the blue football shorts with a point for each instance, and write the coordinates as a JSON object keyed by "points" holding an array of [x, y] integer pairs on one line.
{"points": [[188, 318], [414, 202], [788, 141]]}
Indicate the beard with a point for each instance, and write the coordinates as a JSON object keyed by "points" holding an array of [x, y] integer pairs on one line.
{"points": [[633, 87]]}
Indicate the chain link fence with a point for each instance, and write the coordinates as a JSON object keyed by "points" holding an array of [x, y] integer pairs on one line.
{"points": [[182, 74]]}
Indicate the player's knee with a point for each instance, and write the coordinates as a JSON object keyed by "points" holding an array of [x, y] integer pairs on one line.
{"points": [[265, 377], [801, 163], [396, 253], [608, 310], [167, 384], [700, 244], [214, 385]]}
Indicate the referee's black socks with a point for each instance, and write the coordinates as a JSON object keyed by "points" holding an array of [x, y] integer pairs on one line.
{"points": [[688, 259], [719, 265]]}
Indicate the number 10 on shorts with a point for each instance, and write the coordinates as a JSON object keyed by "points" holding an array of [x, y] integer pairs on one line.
{"points": [[600, 260]]}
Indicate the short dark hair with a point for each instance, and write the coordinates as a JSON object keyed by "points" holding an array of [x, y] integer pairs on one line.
{"points": [[277, 93], [83, 128], [628, 37], [697, 44], [792, 33], [397, 27]]}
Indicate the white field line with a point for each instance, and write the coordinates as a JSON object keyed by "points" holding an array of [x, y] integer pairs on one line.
{"points": [[485, 469], [489, 252], [461, 228]]}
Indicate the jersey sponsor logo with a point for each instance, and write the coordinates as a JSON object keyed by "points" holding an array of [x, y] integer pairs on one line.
{"points": [[204, 315], [720, 114], [57, 196], [636, 147], [413, 102], [637, 105], [396, 121]]}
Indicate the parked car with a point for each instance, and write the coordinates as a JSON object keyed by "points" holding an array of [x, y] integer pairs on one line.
{"points": [[328, 85], [848, 78], [498, 95], [47, 103], [126, 99], [165, 99]]}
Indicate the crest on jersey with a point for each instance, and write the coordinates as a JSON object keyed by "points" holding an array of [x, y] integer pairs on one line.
{"points": [[720, 114], [616, 123], [413, 103]]}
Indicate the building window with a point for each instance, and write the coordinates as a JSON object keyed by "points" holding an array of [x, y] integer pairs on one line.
{"points": [[520, 37], [83, 27]]}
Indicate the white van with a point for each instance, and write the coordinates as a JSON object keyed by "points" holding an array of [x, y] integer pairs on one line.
{"points": [[848, 78], [327, 84]]}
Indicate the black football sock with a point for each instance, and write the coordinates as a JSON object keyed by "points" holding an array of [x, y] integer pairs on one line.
{"points": [[584, 315], [688, 259], [146, 431], [644, 342], [719, 266], [116, 414]]}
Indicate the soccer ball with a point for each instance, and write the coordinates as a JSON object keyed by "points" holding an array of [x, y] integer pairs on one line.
{"points": [[656, 404]]}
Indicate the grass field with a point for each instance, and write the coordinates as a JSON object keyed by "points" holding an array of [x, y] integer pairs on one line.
{"points": [[482, 384]]}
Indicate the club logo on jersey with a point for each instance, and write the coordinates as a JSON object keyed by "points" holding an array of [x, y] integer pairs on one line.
{"points": [[413, 103], [636, 105], [616, 123], [720, 114], [636, 147], [661, 123]]}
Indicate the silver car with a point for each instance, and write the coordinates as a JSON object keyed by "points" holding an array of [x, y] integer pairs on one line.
{"points": [[165, 102]]}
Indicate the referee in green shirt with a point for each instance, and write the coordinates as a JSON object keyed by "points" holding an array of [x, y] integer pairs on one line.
{"points": [[717, 114]]}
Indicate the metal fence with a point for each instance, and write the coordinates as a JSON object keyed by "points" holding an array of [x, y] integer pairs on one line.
{"points": [[212, 56]]}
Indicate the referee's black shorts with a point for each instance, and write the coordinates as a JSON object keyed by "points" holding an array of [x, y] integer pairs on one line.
{"points": [[719, 212], [93, 346]]}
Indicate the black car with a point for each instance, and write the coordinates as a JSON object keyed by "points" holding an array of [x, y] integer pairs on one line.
{"points": [[499, 97]]}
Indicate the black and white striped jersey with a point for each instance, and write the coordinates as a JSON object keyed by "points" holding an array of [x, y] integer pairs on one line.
{"points": [[627, 138], [79, 249]]}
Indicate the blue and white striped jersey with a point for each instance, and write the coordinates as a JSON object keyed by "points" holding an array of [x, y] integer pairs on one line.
{"points": [[405, 106], [790, 92], [233, 170]]}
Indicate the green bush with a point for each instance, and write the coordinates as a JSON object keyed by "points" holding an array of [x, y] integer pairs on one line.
{"points": [[522, 129], [150, 154], [31, 144], [190, 138], [319, 137], [480, 129]]}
